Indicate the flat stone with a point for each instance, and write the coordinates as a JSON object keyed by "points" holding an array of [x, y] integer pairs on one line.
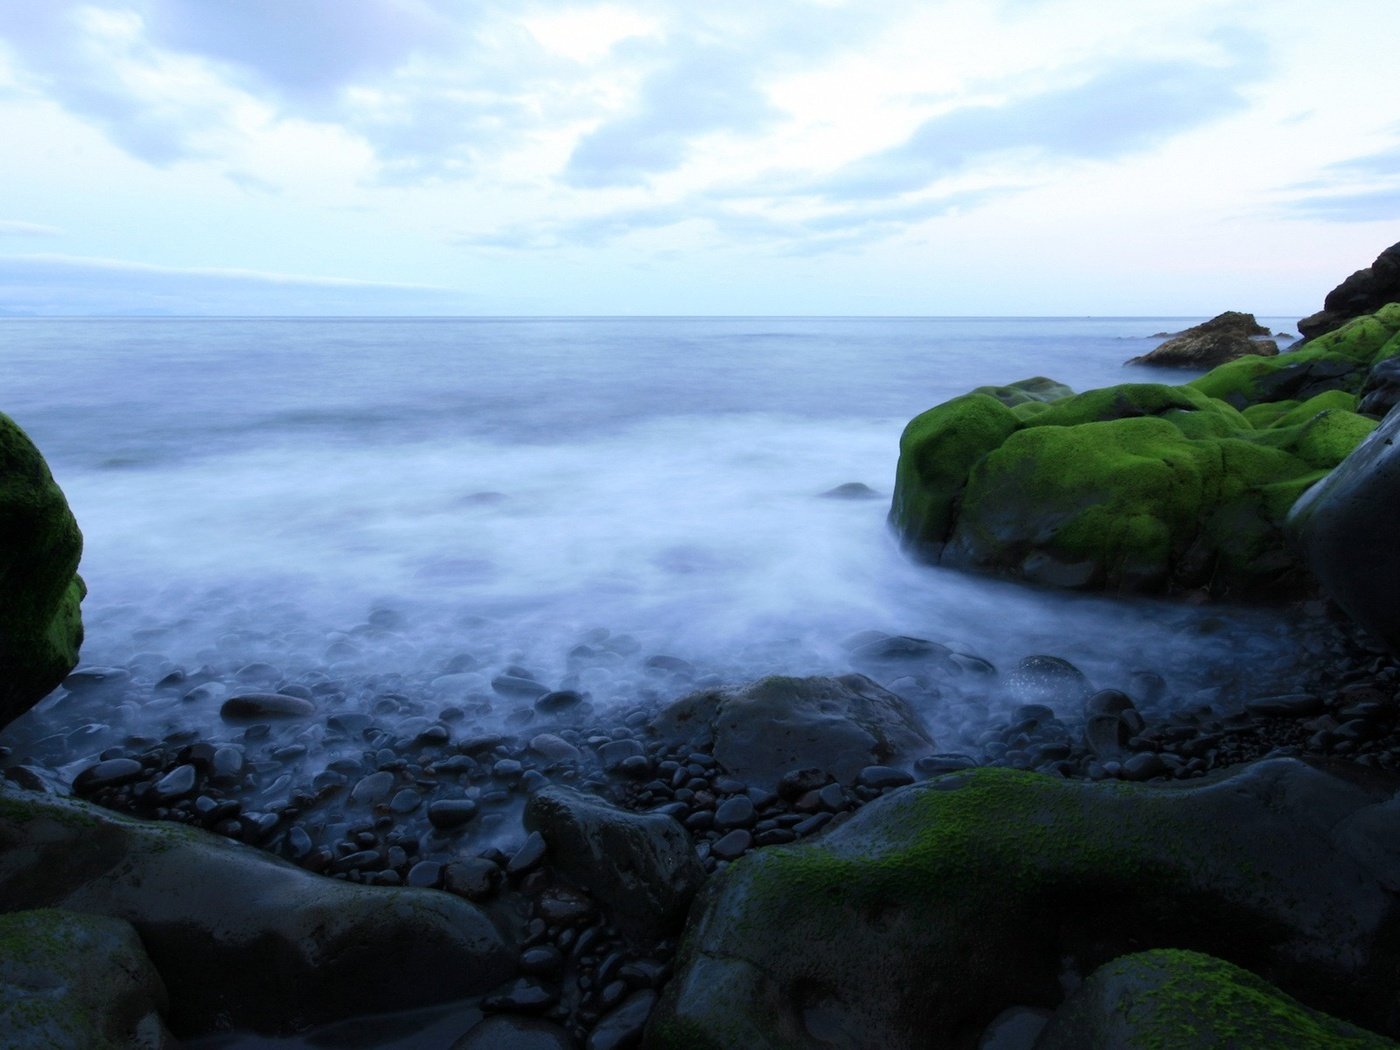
{"points": [[449, 813], [250, 707], [732, 846]]}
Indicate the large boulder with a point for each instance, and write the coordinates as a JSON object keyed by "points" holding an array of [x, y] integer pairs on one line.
{"points": [[1364, 292], [939, 906], [1138, 488], [77, 981], [241, 938], [40, 624], [1190, 1001], [641, 866], [1225, 337], [777, 725], [1345, 527]]}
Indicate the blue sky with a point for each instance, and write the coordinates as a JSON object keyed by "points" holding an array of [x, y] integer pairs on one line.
{"points": [[657, 157]]}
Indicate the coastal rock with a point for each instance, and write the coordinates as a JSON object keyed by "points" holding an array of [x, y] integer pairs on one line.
{"points": [[1345, 526], [1133, 488], [69, 980], [1341, 360], [1225, 337], [1364, 292], [641, 866], [242, 938], [1193, 1002], [778, 724], [1381, 390], [41, 626], [934, 909]]}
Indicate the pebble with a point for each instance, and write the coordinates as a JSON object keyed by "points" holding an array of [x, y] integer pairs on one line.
{"points": [[622, 1027], [373, 788], [524, 994], [111, 773], [732, 846], [178, 783], [248, 707], [449, 813], [737, 812], [475, 878], [518, 687], [883, 777], [528, 857], [504, 1032]]}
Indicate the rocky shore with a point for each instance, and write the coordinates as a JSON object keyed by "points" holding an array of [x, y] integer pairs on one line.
{"points": [[921, 848]]}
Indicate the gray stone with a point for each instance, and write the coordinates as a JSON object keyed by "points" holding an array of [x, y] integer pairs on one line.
{"points": [[639, 866], [77, 981], [1345, 526], [250, 707], [1225, 337], [778, 724], [240, 937]]}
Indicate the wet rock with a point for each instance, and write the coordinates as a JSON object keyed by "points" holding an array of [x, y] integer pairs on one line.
{"points": [[516, 687], [777, 724], [71, 980], [528, 857], [1050, 681], [253, 707], [504, 1032], [373, 788], [448, 813], [622, 1028], [1225, 337], [1280, 868], [475, 878], [732, 846], [851, 490], [111, 773], [1196, 1001], [641, 867], [240, 937]]}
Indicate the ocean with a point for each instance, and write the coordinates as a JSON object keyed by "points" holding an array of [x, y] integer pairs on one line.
{"points": [[386, 500]]}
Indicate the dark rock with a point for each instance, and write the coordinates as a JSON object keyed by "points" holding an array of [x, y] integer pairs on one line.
{"points": [[778, 724], [528, 857], [1196, 1001], [504, 1032], [1050, 681], [1224, 337], [1292, 705], [451, 813], [1345, 526], [561, 906], [732, 846], [524, 995], [1281, 869], [80, 981], [640, 867], [252, 707], [622, 1028], [41, 626], [558, 700], [111, 773], [1364, 292], [178, 783], [615, 752], [737, 812], [1381, 390], [881, 777], [242, 938], [518, 688], [475, 878]]}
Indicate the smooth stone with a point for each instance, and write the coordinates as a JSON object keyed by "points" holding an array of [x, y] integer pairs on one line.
{"points": [[248, 707], [883, 777], [373, 788], [732, 846], [405, 800], [178, 783], [561, 906], [1292, 705], [504, 1032], [1145, 767], [737, 812], [528, 857], [851, 490], [554, 748], [451, 812], [622, 1027], [558, 700], [472, 877], [111, 773], [541, 960], [516, 687], [426, 873], [94, 676], [526, 994]]}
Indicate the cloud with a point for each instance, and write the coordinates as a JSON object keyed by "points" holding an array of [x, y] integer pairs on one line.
{"points": [[14, 228], [1365, 188], [59, 284], [1114, 112], [1382, 205], [703, 90]]}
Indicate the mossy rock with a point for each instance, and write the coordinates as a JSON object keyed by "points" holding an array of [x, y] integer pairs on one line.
{"points": [[937, 907], [1339, 360], [241, 938], [1180, 1000], [1142, 487], [40, 623], [79, 981]]}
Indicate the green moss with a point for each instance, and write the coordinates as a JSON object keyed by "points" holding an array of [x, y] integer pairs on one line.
{"points": [[936, 451], [1027, 392]]}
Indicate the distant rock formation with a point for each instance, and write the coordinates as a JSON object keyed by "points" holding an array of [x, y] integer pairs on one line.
{"points": [[1364, 292], [1225, 337]]}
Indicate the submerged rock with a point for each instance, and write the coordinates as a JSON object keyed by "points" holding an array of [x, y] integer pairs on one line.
{"points": [[239, 937], [934, 909], [1225, 337], [70, 980], [1190, 1001], [776, 725], [41, 626]]}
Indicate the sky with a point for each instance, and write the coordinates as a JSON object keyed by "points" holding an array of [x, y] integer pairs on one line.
{"points": [[657, 157]]}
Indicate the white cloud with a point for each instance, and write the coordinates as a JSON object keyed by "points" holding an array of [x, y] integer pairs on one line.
{"points": [[15, 228]]}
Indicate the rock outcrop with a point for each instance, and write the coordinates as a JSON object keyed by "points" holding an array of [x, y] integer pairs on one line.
{"points": [[40, 624], [1225, 337], [240, 938], [1135, 488], [1364, 292], [1346, 528], [938, 907]]}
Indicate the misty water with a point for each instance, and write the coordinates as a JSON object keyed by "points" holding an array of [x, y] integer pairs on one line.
{"points": [[366, 500]]}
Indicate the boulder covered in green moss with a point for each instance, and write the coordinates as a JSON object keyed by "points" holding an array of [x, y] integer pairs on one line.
{"points": [[937, 907], [1189, 1001], [1138, 488], [40, 625], [69, 980], [241, 938]]}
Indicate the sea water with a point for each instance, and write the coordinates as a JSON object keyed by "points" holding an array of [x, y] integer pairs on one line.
{"points": [[374, 497]]}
